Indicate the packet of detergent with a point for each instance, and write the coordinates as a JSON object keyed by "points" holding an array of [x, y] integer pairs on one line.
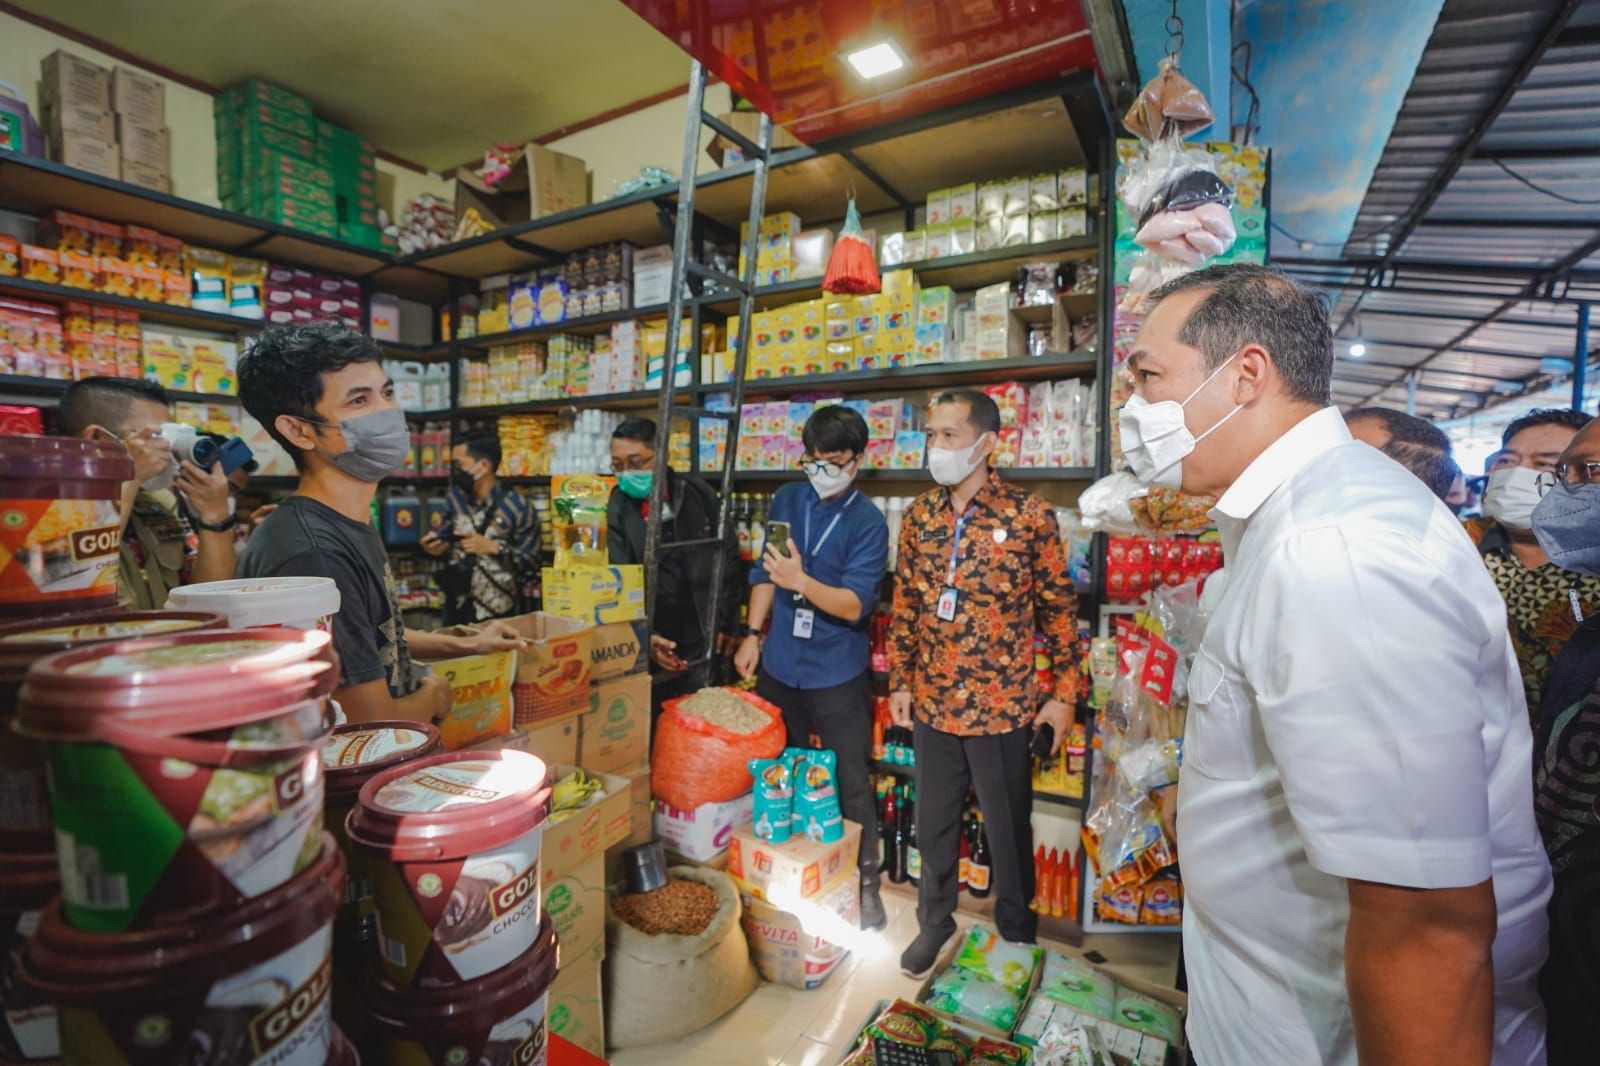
{"points": [[817, 798], [774, 800]]}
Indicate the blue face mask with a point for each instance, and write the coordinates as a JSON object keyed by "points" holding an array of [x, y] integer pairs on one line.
{"points": [[1567, 525]]}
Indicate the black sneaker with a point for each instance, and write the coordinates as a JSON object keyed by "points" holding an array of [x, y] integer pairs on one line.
{"points": [[925, 951], [872, 915]]}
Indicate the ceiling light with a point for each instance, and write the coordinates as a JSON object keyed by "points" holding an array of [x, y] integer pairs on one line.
{"points": [[1357, 350], [874, 61]]}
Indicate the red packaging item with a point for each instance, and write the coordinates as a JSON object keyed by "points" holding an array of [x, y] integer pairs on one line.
{"points": [[695, 762], [19, 419]]}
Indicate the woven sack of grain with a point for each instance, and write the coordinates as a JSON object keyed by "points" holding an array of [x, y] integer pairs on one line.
{"points": [[704, 744], [659, 988]]}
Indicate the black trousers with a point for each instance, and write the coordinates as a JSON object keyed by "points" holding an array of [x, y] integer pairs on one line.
{"points": [[999, 769], [841, 716]]}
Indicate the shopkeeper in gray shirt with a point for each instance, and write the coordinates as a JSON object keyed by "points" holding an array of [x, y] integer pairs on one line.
{"points": [[322, 393]]}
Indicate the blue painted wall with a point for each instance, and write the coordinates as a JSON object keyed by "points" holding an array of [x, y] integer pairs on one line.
{"points": [[1331, 75], [1206, 39]]}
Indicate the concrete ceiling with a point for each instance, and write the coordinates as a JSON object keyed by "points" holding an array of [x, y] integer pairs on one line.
{"points": [[430, 82]]}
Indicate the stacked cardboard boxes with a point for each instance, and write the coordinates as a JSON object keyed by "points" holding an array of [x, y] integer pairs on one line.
{"points": [[80, 127], [277, 161]]}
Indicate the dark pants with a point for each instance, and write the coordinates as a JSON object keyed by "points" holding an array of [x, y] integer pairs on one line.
{"points": [[841, 716], [999, 769]]}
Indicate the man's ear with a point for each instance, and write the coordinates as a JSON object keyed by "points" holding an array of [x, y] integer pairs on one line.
{"points": [[1256, 373], [297, 432]]}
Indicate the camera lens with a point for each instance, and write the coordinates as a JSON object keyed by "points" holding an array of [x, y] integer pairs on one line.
{"points": [[203, 452]]}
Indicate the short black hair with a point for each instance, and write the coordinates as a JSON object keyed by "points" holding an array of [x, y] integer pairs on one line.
{"points": [[281, 373], [1248, 304], [1545, 416], [1405, 428], [834, 428], [642, 430], [1416, 444], [482, 444], [104, 402], [982, 411]]}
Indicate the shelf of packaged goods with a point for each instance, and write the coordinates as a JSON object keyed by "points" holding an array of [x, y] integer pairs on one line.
{"points": [[441, 414], [148, 311], [50, 388], [1076, 305], [611, 401], [1010, 473], [587, 324], [928, 376], [37, 186], [1060, 930]]}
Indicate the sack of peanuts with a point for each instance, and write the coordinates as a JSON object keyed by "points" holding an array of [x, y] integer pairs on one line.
{"points": [[705, 742]]}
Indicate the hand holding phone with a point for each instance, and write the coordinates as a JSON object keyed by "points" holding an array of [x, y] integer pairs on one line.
{"points": [[778, 537]]}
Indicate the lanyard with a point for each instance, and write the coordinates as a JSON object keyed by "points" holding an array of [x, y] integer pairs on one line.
{"points": [[955, 544], [810, 550]]}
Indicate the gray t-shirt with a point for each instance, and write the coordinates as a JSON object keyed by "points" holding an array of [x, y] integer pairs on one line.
{"points": [[304, 538]]}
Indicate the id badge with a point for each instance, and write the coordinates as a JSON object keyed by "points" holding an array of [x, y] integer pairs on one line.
{"points": [[946, 611], [804, 617]]}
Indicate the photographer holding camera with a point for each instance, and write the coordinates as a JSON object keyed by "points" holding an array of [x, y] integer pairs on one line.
{"points": [[162, 547]]}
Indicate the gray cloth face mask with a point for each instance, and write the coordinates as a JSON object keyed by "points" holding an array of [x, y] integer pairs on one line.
{"points": [[1567, 525], [376, 444]]}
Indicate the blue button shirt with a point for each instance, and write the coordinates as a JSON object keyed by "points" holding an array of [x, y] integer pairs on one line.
{"points": [[852, 554]]}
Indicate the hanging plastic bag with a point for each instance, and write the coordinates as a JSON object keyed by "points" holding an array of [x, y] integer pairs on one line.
{"points": [[1169, 105], [697, 761]]}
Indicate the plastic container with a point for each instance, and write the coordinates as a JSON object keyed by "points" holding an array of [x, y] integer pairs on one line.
{"points": [[354, 755], [247, 986], [297, 602], [185, 770], [25, 813], [60, 527], [27, 883], [498, 1018], [454, 844]]}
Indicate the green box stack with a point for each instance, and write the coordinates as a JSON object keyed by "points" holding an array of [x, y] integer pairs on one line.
{"points": [[277, 161]]}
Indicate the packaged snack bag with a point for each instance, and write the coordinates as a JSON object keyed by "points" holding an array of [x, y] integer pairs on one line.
{"points": [[986, 955], [774, 799], [965, 994], [817, 799], [905, 1023], [988, 1052]]}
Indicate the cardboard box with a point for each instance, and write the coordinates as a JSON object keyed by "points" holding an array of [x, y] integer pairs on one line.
{"points": [[542, 182], [619, 648], [748, 124], [614, 734], [1128, 1044], [576, 903], [575, 1008], [553, 671], [149, 146], [87, 153], [705, 832], [554, 742], [73, 81], [595, 594], [799, 868], [571, 838], [85, 121], [641, 805], [972, 1025], [792, 947], [139, 97], [481, 704]]}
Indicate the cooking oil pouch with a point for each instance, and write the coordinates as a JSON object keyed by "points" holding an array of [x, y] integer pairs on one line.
{"points": [[774, 800], [795, 759], [1011, 965], [817, 799]]}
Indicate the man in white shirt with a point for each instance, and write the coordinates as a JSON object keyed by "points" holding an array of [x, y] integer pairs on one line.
{"points": [[1363, 874]]}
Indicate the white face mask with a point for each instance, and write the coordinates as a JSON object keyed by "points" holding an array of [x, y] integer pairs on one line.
{"points": [[1156, 439], [950, 466], [1511, 495], [830, 485]]}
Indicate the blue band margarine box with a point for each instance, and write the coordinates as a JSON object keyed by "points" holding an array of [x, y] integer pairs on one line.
{"points": [[595, 594]]}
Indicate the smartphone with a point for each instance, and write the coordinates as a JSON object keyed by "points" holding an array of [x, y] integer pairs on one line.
{"points": [[778, 537]]}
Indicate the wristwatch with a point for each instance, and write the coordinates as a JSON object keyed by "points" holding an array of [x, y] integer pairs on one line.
{"points": [[219, 527], [746, 631]]}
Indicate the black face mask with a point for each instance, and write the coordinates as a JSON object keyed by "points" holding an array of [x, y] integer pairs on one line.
{"points": [[462, 479]]}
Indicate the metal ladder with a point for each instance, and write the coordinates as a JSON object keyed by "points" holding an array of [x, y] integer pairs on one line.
{"points": [[687, 268]]}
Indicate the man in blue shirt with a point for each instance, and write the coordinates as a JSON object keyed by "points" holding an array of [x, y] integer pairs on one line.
{"points": [[819, 590]]}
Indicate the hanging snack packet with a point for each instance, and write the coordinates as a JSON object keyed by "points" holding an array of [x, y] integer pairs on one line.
{"points": [[817, 799], [774, 800], [964, 994], [1011, 965]]}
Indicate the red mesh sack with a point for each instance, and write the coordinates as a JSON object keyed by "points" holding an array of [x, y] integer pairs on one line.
{"points": [[696, 762]]}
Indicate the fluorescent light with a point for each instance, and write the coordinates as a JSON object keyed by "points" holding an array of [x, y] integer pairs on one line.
{"points": [[1357, 350], [876, 60]]}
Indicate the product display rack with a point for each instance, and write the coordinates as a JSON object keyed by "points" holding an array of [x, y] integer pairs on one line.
{"points": [[51, 388]]}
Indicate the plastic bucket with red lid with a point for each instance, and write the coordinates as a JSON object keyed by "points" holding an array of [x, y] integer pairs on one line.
{"points": [[25, 816], [354, 755], [497, 1020], [185, 770], [454, 846], [60, 524], [27, 883], [245, 987]]}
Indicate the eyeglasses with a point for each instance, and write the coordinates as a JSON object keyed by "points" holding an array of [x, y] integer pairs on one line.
{"points": [[633, 465], [1568, 474], [821, 468]]}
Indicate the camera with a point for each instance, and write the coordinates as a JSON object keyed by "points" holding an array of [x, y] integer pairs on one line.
{"points": [[188, 445]]}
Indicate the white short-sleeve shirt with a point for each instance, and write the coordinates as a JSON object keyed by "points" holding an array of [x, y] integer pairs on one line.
{"points": [[1355, 712]]}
